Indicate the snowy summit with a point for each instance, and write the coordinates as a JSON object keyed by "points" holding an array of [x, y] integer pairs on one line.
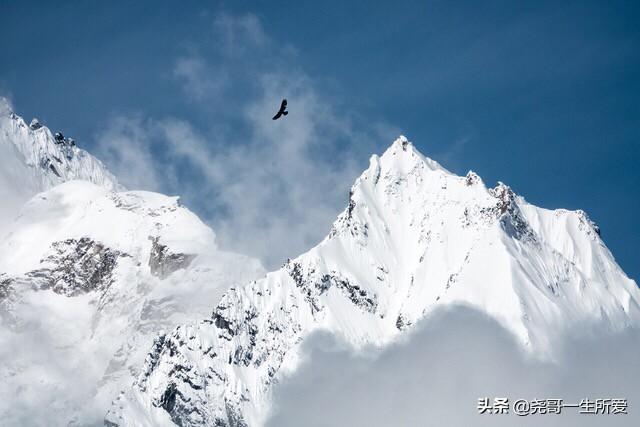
{"points": [[413, 237], [33, 159]]}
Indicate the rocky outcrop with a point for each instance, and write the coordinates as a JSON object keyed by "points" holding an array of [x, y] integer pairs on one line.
{"points": [[163, 262], [73, 267]]}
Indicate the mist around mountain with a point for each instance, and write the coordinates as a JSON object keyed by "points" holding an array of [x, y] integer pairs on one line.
{"points": [[89, 274], [430, 290]]}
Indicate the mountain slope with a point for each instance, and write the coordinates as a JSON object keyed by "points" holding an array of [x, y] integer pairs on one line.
{"points": [[414, 236], [33, 159], [88, 277]]}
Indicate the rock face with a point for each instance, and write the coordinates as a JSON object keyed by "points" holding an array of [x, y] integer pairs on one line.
{"points": [[76, 266], [163, 262], [88, 277], [413, 236]]}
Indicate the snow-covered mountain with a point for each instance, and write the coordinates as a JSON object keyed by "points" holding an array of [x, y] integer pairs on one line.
{"points": [[89, 275], [413, 237], [87, 279], [33, 159], [92, 277]]}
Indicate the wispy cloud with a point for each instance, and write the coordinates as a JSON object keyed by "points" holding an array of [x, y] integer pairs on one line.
{"points": [[240, 34], [125, 145], [270, 189], [198, 80]]}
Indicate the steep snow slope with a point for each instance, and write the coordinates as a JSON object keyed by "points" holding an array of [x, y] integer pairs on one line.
{"points": [[414, 236], [32, 159], [88, 277]]}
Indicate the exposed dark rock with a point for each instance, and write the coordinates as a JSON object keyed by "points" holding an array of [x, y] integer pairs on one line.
{"points": [[313, 288], [348, 222], [355, 293], [168, 400], [53, 169], [163, 262], [472, 178], [5, 287], [400, 322], [508, 212], [222, 323], [352, 205], [76, 266], [35, 124], [587, 225]]}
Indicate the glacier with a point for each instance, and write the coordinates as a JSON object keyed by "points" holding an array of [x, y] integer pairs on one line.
{"points": [[414, 237]]}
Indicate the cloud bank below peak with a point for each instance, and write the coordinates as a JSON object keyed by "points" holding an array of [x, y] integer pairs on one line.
{"points": [[436, 374]]}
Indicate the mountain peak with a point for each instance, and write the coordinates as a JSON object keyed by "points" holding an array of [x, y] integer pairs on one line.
{"points": [[412, 238], [473, 178], [49, 158], [35, 160], [399, 146], [403, 156], [402, 142]]}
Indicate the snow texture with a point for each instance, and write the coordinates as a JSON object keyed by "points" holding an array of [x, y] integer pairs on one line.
{"points": [[33, 159], [88, 278], [414, 237]]}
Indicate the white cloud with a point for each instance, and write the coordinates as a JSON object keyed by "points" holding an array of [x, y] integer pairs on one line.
{"points": [[270, 189], [240, 33], [45, 377], [198, 80], [435, 376], [125, 146]]}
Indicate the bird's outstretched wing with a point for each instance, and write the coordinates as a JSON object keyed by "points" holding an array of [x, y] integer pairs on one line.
{"points": [[281, 112]]}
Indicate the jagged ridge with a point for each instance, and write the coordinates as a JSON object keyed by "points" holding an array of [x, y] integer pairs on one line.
{"points": [[413, 236], [51, 158]]}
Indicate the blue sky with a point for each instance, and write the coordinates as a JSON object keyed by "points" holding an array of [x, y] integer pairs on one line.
{"points": [[177, 97]]}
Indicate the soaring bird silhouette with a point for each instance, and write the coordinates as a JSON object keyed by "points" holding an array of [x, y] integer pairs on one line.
{"points": [[282, 111]]}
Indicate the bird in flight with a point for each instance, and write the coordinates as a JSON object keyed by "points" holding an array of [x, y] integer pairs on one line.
{"points": [[282, 111]]}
